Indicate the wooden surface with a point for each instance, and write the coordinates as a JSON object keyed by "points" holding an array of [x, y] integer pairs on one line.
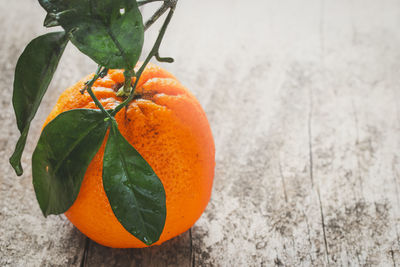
{"points": [[303, 98]]}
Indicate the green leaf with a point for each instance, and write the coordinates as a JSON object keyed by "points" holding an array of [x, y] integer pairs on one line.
{"points": [[110, 32], [136, 194], [64, 151], [50, 20], [33, 73]]}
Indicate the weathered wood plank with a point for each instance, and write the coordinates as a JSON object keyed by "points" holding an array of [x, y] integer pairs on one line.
{"points": [[304, 102]]}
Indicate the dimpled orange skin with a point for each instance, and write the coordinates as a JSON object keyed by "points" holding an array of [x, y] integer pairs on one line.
{"points": [[168, 127]]}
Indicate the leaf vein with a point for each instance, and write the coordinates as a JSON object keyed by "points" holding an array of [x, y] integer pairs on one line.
{"points": [[74, 145]]}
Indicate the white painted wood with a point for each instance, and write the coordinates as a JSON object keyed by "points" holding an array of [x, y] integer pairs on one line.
{"points": [[303, 99]]}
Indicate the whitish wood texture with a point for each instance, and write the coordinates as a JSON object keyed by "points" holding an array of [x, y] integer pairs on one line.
{"points": [[303, 99]]}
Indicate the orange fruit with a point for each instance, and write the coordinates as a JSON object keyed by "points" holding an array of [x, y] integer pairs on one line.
{"points": [[168, 127]]}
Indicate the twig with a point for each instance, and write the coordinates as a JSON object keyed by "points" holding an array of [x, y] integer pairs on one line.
{"points": [[152, 53], [168, 4], [143, 2], [100, 73]]}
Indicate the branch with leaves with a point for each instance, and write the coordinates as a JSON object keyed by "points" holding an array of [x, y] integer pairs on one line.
{"points": [[111, 32]]}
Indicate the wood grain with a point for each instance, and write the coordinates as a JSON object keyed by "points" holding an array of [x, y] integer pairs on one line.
{"points": [[304, 102]]}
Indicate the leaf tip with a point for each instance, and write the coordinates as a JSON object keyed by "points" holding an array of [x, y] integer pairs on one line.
{"points": [[16, 164], [147, 241]]}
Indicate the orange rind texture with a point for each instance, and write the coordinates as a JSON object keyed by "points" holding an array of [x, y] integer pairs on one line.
{"points": [[169, 128]]}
